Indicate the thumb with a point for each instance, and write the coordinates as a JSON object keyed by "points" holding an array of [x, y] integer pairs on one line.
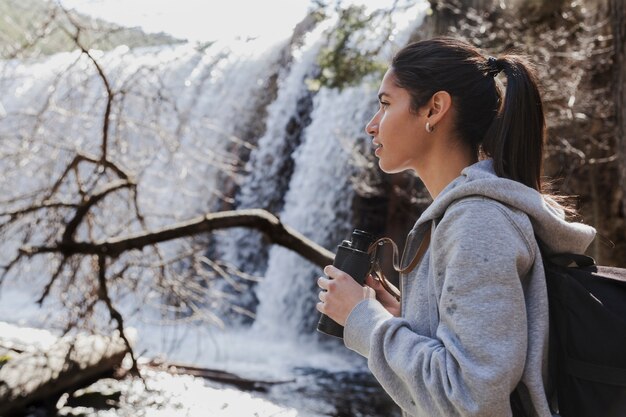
{"points": [[373, 282]]}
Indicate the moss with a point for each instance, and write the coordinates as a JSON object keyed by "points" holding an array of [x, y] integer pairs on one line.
{"points": [[4, 359]]}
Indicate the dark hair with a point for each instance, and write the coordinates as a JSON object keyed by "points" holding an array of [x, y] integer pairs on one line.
{"points": [[512, 132]]}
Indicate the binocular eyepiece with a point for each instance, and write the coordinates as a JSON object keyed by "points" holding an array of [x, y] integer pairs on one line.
{"points": [[352, 257]]}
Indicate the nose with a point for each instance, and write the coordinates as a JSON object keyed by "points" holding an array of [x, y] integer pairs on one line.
{"points": [[372, 126]]}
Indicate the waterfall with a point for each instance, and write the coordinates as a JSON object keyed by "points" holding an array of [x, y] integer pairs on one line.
{"points": [[271, 165], [189, 114], [317, 203], [182, 108]]}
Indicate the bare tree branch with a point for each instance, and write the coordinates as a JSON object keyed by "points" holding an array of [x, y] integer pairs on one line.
{"points": [[115, 314], [261, 220], [54, 277], [43, 206], [84, 208], [105, 81]]}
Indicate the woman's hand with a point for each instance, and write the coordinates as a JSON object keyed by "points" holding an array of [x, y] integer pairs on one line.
{"points": [[382, 295], [340, 294]]}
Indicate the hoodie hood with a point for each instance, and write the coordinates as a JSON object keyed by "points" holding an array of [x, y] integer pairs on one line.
{"points": [[546, 216]]}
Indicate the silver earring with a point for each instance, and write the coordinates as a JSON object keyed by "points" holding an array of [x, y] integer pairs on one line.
{"points": [[429, 128]]}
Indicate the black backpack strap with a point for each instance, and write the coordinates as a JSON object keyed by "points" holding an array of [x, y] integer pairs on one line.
{"points": [[567, 259], [592, 372], [564, 259]]}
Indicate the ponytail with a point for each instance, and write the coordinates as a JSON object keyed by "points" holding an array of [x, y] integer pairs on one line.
{"points": [[516, 136]]}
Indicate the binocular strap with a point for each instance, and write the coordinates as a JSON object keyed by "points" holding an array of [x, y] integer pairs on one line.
{"points": [[376, 270]]}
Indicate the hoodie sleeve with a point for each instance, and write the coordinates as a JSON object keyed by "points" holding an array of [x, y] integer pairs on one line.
{"points": [[476, 355]]}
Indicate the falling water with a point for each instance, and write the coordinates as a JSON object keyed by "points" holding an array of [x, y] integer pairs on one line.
{"points": [[318, 202], [271, 164], [181, 107], [186, 110], [313, 195]]}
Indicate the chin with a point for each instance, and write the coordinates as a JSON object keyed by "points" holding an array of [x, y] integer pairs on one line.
{"points": [[389, 170], [382, 167]]}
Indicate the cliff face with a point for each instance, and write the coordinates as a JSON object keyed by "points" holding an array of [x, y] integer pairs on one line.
{"points": [[617, 10]]}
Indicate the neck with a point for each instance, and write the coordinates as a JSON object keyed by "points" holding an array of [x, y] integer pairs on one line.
{"points": [[444, 165]]}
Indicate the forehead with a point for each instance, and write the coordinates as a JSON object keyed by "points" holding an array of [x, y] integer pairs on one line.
{"points": [[388, 84]]}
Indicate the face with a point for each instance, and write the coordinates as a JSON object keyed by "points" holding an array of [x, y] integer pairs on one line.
{"points": [[399, 135]]}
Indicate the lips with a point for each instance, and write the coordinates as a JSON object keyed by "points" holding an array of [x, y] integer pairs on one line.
{"points": [[378, 147]]}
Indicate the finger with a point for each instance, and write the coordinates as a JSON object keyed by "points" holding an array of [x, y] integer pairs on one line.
{"points": [[371, 281], [320, 307], [322, 296], [322, 282], [334, 272]]}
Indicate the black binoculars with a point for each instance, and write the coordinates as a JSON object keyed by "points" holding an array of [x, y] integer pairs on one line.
{"points": [[352, 257]]}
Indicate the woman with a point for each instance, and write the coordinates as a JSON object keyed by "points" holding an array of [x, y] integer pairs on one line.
{"points": [[472, 324]]}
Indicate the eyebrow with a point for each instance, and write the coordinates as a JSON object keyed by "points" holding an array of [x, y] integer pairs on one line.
{"points": [[381, 94]]}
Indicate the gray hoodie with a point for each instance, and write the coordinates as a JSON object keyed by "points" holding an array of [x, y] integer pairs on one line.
{"points": [[474, 320]]}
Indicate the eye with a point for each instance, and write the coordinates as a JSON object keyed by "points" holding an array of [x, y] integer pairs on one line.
{"points": [[384, 104]]}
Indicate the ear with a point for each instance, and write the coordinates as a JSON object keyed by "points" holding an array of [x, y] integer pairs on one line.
{"points": [[438, 106]]}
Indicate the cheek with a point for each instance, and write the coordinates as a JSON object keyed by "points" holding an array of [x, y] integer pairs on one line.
{"points": [[397, 129], [387, 123]]}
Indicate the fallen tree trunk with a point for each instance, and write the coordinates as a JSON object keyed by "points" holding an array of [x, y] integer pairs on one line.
{"points": [[68, 364]]}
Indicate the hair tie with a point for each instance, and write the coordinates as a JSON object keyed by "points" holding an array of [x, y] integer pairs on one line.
{"points": [[494, 66]]}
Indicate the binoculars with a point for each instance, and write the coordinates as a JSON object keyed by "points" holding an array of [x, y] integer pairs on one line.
{"points": [[352, 257]]}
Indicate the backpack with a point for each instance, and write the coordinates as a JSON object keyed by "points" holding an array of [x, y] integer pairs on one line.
{"points": [[587, 347], [587, 353]]}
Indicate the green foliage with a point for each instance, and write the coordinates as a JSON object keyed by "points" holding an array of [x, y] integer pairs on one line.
{"points": [[343, 63], [4, 359], [30, 28]]}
